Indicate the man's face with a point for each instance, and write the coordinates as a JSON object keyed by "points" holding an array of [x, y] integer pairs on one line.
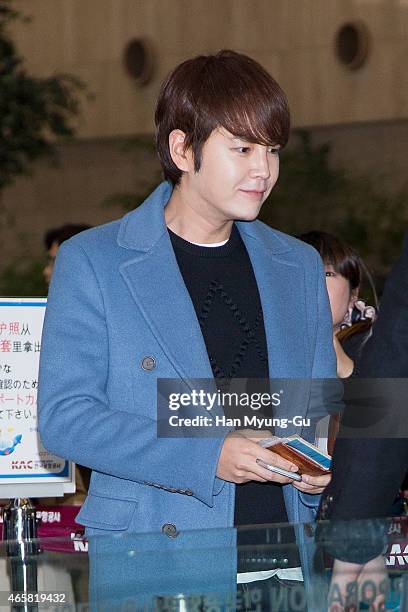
{"points": [[49, 267], [234, 180]]}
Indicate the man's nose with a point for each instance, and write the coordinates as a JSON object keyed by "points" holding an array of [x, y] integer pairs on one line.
{"points": [[260, 166]]}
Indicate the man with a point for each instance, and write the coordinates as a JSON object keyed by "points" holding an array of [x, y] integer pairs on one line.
{"points": [[367, 473], [187, 286]]}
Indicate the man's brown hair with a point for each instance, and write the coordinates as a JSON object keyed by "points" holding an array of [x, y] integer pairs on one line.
{"points": [[228, 90]]}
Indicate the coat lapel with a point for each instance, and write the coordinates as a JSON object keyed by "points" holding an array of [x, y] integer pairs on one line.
{"points": [[281, 287], [156, 284]]}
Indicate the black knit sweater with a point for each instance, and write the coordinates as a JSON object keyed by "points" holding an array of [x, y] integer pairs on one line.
{"points": [[224, 292]]}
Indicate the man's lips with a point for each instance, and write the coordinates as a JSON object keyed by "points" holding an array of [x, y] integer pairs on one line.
{"points": [[255, 193]]}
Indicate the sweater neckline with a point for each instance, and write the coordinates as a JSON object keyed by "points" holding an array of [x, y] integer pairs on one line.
{"points": [[206, 251]]}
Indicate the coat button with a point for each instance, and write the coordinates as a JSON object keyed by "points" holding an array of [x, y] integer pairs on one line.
{"points": [[170, 530], [148, 363]]}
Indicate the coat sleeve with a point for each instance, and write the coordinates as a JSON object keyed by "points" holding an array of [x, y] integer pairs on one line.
{"points": [[76, 420]]}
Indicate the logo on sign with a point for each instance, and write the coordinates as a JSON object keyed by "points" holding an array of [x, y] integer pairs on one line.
{"points": [[22, 465], [7, 445]]}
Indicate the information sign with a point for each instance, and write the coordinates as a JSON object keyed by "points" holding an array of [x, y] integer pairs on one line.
{"points": [[26, 468]]}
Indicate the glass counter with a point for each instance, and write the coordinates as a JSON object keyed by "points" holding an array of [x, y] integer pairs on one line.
{"points": [[272, 567]]}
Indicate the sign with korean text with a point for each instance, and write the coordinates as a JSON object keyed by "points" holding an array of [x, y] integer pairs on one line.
{"points": [[23, 459]]}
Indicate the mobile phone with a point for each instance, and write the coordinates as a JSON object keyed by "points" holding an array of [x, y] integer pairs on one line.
{"points": [[273, 468]]}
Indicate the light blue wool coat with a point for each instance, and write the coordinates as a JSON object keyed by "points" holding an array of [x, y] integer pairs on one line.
{"points": [[117, 296]]}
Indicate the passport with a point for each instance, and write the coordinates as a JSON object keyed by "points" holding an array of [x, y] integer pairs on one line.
{"points": [[310, 459]]}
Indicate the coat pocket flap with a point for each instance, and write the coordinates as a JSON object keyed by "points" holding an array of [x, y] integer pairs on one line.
{"points": [[106, 513]]}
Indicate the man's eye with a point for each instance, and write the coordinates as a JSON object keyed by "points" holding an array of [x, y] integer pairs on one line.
{"points": [[273, 150], [329, 273], [243, 149]]}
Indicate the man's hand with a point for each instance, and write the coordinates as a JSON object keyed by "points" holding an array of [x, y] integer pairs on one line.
{"points": [[313, 484], [237, 462], [353, 583]]}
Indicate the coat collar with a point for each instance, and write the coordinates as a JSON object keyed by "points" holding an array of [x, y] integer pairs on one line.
{"points": [[142, 228]]}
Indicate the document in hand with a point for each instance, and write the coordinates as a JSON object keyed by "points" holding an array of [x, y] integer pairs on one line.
{"points": [[310, 459]]}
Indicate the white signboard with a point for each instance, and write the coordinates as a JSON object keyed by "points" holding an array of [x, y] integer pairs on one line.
{"points": [[26, 468]]}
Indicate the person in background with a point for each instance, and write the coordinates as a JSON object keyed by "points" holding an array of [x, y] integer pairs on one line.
{"points": [[366, 489], [53, 239], [352, 318]]}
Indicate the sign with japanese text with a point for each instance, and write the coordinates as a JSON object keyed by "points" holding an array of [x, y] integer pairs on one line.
{"points": [[23, 459]]}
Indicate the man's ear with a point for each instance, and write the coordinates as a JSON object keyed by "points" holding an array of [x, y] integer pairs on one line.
{"points": [[179, 154]]}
